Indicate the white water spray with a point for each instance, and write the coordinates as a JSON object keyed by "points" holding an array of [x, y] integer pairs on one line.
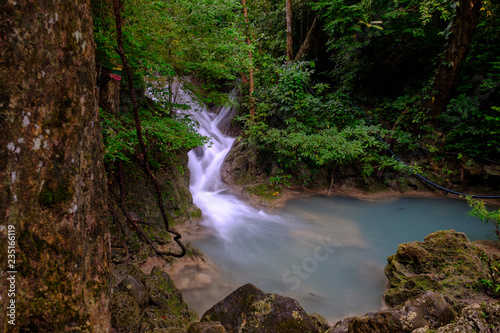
{"points": [[223, 212]]}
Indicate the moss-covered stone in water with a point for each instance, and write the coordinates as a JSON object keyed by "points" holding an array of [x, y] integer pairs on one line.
{"points": [[196, 213], [446, 262], [249, 309], [264, 194]]}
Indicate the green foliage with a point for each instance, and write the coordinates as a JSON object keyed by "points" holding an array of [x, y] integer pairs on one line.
{"points": [[382, 54], [163, 135], [471, 130], [300, 124], [480, 211], [282, 179], [323, 147], [174, 37], [379, 47]]}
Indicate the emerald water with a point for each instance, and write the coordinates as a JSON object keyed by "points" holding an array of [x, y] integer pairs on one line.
{"points": [[328, 253]]}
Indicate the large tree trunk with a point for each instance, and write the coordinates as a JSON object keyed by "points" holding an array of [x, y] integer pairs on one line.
{"points": [[289, 35], [52, 178], [462, 32], [305, 48], [250, 70]]}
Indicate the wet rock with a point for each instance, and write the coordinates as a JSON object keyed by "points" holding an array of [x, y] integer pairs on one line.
{"points": [[429, 309], [167, 307], [478, 318], [207, 327], [320, 322], [239, 166], [249, 309], [161, 289], [262, 195], [148, 303], [446, 262], [135, 288]]}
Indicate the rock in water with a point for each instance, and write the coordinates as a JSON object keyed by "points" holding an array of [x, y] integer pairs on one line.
{"points": [[249, 309], [480, 318], [446, 262], [428, 310]]}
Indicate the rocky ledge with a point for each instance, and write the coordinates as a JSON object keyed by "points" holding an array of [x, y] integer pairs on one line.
{"points": [[444, 284]]}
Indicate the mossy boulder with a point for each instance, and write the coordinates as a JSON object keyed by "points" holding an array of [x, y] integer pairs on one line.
{"points": [[446, 262], [239, 166], [478, 318], [152, 302], [428, 310], [167, 306], [249, 309], [135, 288], [125, 313], [207, 327], [261, 194]]}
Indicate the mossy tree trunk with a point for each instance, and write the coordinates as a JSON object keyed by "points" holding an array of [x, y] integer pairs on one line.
{"points": [[52, 179], [289, 32], [457, 48]]}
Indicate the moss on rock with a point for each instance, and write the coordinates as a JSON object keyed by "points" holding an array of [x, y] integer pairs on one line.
{"points": [[446, 262], [249, 309]]}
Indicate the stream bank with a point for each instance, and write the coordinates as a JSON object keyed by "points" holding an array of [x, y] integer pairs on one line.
{"points": [[138, 255], [251, 175]]}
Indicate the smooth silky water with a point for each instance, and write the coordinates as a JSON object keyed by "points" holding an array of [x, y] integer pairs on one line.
{"points": [[328, 253]]}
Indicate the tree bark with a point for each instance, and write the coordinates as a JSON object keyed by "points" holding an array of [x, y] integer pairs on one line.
{"points": [[289, 35], [52, 179], [305, 48], [250, 70], [461, 34]]}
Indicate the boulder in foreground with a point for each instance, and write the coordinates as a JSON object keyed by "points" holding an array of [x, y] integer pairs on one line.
{"points": [[249, 309]]}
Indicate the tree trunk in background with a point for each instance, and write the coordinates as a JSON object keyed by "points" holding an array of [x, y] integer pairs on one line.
{"points": [[52, 178], [289, 35], [462, 32], [305, 48], [250, 70]]}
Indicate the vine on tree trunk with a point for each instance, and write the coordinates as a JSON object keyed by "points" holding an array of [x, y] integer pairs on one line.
{"points": [[144, 155]]}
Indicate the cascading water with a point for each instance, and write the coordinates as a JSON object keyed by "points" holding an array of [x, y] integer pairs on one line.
{"points": [[223, 212], [327, 253]]}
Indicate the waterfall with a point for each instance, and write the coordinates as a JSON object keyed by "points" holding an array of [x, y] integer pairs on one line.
{"points": [[222, 211]]}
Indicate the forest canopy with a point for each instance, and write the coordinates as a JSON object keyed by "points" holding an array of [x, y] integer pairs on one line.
{"points": [[344, 82]]}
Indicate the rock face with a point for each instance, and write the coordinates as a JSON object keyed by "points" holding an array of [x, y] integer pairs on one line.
{"points": [[249, 309], [431, 282], [207, 327], [446, 262], [430, 309], [480, 318], [52, 180], [148, 303], [239, 165]]}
